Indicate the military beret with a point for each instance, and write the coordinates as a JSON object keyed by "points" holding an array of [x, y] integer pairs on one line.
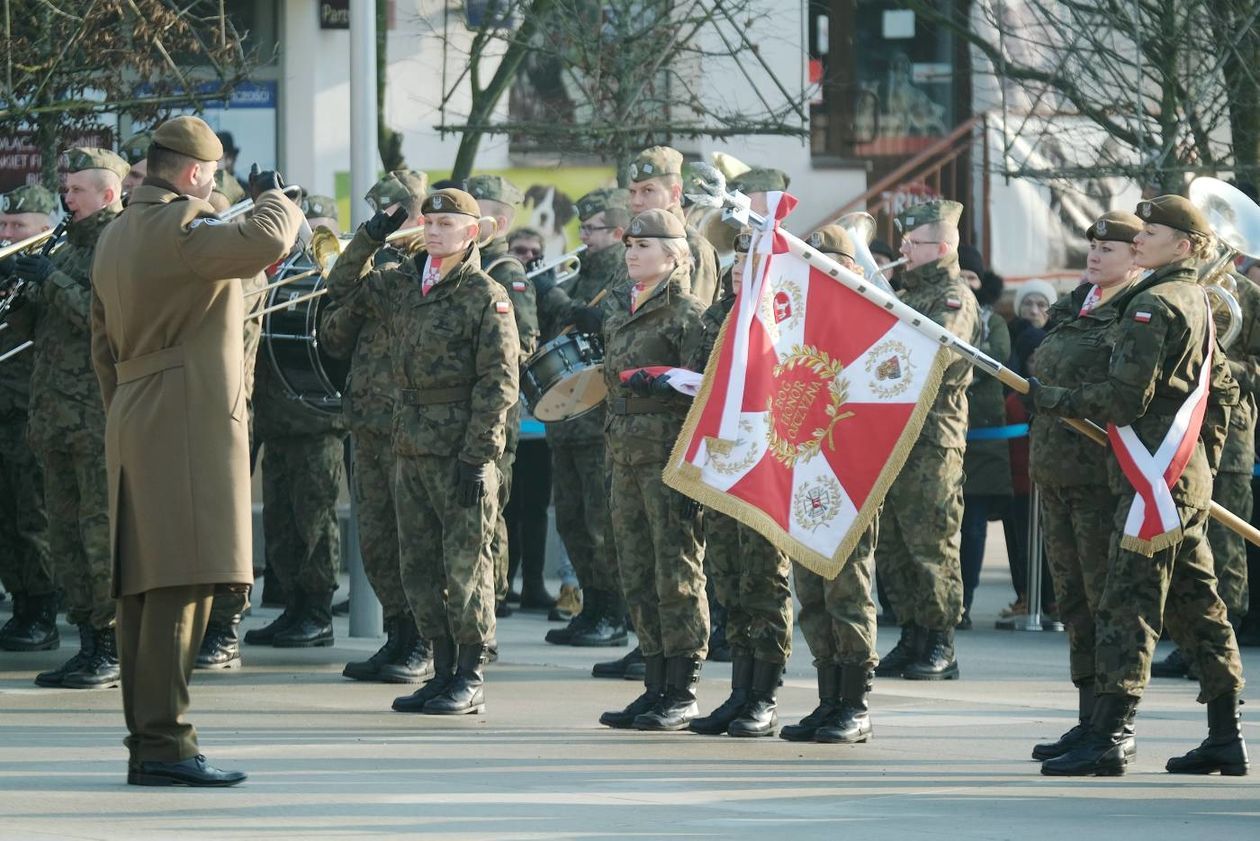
{"points": [[494, 188], [938, 210], [743, 242], [30, 198], [761, 181], [1175, 212], [1116, 226], [189, 136], [601, 200], [313, 207], [654, 162], [451, 201], [656, 224], [832, 239], [397, 186], [86, 157], [134, 148]]}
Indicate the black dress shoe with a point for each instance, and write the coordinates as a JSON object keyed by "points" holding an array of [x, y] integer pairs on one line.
{"points": [[189, 772]]}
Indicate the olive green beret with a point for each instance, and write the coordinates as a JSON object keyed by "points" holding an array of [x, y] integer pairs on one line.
{"points": [[397, 186], [227, 184], [654, 162], [656, 224], [134, 148], [494, 188], [30, 198], [601, 200], [451, 200], [1115, 226], [743, 242], [313, 207], [1175, 212], [189, 136], [832, 239], [86, 157], [939, 210], [761, 181]]}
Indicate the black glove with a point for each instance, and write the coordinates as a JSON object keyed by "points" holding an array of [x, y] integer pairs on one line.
{"points": [[1030, 399], [589, 320], [268, 179], [640, 383], [544, 282], [383, 224], [34, 268], [660, 387], [470, 483], [7, 266]]}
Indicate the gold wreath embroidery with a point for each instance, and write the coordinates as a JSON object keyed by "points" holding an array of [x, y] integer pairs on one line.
{"points": [[829, 371], [720, 451], [818, 504]]}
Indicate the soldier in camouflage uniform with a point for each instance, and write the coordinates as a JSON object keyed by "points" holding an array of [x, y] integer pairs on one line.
{"points": [[658, 534], [918, 549], [498, 199], [134, 150], [1161, 348], [368, 407], [1077, 502], [25, 568], [455, 355], [66, 426]]}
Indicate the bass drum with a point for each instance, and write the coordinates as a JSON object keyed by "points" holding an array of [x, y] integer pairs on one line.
{"points": [[291, 336]]}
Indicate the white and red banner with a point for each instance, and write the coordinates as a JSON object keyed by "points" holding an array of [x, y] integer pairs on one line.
{"points": [[810, 403]]}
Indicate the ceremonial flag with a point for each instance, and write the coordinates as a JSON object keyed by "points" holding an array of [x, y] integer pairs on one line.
{"points": [[681, 380], [811, 401]]}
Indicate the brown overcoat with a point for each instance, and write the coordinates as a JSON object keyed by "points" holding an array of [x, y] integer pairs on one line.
{"points": [[167, 345]]}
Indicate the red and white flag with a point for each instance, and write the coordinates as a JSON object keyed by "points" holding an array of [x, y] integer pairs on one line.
{"points": [[682, 380], [810, 404]]}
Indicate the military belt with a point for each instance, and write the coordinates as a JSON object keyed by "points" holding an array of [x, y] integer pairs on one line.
{"points": [[638, 406], [431, 396]]}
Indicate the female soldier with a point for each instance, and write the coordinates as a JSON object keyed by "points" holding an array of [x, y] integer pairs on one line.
{"points": [[1077, 506], [656, 530]]}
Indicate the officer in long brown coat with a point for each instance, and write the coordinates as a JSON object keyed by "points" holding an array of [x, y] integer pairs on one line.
{"points": [[167, 318]]}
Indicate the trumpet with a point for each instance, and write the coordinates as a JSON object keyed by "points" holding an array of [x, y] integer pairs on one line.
{"points": [[31, 242], [566, 266], [1235, 220]]}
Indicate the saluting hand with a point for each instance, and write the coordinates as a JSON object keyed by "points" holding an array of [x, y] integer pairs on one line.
{"points": [[470, 483], [259, 182], [380, 226]]}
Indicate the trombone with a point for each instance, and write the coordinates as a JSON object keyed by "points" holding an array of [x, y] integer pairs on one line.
{"points": [[567, 266], [1235, 220], [30, 242]]}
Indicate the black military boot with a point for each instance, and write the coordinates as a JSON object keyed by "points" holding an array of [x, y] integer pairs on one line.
{"points": [[1174, 665], [936, 658], [443, 673], [826, 713], [87, 645], [33, 626], [719, 721], [465, 692], [905, 652], [592, 608], [619, 668], [1073, 737], [1223, 750], [608, 626], [676, 706], [266, 635], [414, 661], [1100, 752], [100, 671], [313, 626], [853, 722], [760, 715], [653, 688], [370, 669], [221, 647]]}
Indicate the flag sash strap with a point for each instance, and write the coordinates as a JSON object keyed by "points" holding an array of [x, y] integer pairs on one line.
{"points": [[1153, 522]]}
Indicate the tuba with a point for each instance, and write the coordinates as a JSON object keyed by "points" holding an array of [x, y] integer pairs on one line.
{"points": [[860, 227], [1235, 220]]}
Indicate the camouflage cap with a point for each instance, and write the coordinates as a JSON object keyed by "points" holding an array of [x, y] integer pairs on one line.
{"points": [[600, 200], [656, 224], [925, 213], [656, 161], [134, 148], [762, 180], [451, 201], [80, 158], [397, 186], [189, 136], [494, 188], [1115, 226], [315, 207], [832, 239], [1175, 212], [30, 198]]}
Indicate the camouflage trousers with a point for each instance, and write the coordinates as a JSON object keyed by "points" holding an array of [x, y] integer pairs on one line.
{"points": [[300, 482], [1177, 584], [1229, 549], [77, 500], [372, 482], [660, 557], [499, 540], [750, 577], [230, 602], [1076, 526], [578, 475], [447, 571], [838, 615], [25, 567], [917, 555]]}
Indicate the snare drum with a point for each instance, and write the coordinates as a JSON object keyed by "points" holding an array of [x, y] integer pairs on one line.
{"points": [[564, 379], [291, 336]]}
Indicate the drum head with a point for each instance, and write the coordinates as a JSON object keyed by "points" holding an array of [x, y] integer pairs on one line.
{"points": [[290, 335], [573, 396]]}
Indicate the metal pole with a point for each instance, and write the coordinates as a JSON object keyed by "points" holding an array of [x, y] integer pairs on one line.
{"points": [[363, 154], [365, 608], [1032, 620]]}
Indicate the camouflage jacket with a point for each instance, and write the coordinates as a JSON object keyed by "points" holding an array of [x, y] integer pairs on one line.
{"points": [[1158, 352], [1239, 455], [497, 262], [666, 330], [15, 380], [455, 355], [937, 291]]}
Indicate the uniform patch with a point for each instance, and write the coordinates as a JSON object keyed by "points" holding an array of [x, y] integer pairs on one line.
{"points": [[518, 286], [502, 307], [953, 303], [1142, 317]]}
